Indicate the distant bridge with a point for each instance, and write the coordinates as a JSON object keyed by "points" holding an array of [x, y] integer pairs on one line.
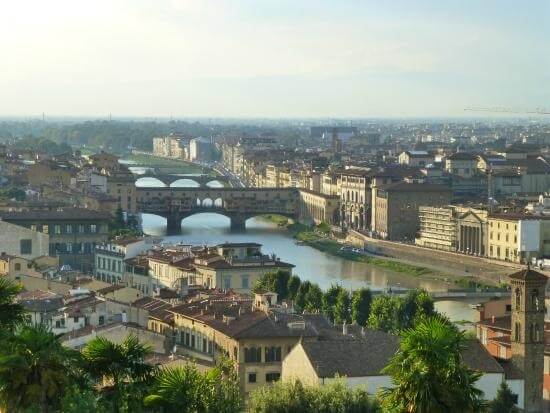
{"points": [[238, 204], [168, 179], [453, 294]]}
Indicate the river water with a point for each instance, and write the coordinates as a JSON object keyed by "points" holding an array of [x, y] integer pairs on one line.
{"points": [[311, 264]]}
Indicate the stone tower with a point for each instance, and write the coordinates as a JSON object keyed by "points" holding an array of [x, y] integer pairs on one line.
{"points": [[527, 337]]}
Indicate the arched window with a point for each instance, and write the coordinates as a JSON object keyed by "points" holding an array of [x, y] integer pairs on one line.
{"points": [[517, 334], [537, 333], [17, 267], [532, 332], [518, 298], [535, 305]]}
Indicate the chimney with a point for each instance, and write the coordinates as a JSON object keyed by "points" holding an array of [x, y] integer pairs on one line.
{"points": [[345, 329], [493, 319]]}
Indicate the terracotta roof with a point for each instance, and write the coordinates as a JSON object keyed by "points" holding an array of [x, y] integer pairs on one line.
{"points": [[500, 323], [110, 289], [478, 358], [414, 187], [462, 156]]}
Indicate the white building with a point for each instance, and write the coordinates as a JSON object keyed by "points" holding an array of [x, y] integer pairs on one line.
{"points": [[359, 362]]}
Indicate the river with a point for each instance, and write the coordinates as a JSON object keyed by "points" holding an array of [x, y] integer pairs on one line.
{"points": [[311, 264]]}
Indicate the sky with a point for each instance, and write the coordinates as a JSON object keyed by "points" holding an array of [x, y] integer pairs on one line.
{"points": [[272, 58]]}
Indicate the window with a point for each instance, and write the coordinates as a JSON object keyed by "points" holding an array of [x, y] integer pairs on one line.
{"points": [[227, 283], [81, 229], [75, 319], [517, 333], [253, 355], [535, 300], [252, 377], [25, 246], [101, 320], [272, 354], [57, 229], [518, 298], [33, 227], [69, 247], [45, 229], [245, 282], [93, 228], [271, 377], [69, 229], [17, 267]]}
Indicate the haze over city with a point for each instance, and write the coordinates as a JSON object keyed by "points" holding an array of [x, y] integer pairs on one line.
{"points": [[272, 58]]}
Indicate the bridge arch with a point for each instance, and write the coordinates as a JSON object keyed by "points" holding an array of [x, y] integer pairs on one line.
{"points": [[185, 183], [149, 181], [207, 203]]}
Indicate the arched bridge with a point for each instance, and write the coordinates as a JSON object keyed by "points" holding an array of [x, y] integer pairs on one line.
{"points": [[168, 179], [238, 204]]}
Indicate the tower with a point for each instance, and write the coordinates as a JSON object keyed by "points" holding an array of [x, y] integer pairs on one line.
{"points": [[527, 338]]}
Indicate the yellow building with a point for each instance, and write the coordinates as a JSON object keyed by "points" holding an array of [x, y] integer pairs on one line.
{"points": [[518, 237], [255, 334]]}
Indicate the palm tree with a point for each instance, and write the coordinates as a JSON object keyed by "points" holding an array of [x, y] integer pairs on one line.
{"points": [[429, 374], [11, 313], [35, 368], [186, 390], [121, 365], [176, 389]]}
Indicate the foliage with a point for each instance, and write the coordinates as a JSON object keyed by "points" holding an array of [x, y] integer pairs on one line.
{"points": [[313, 298], [42, 145], [428, 373], [384, 314], [121, 365], [274, 281], [329, 301], [185, 389], [79, 400], [342, 307], [360, 306], [416, 303], [505, 401], [11, 313], [35, 369], [393, 314], [12, 193], [324, 228], [300, 300], [292, 286], [294, 397]]}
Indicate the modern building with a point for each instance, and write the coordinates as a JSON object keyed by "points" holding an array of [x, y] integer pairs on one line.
{"points": [[73, 232], [396, 212], [437, 228]]}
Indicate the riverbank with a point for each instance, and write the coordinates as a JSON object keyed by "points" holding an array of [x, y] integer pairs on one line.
{"points": [[319, 237], [167, 165]]}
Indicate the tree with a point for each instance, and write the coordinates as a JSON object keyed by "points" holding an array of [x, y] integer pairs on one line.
{"points": [[384, 314], [122, 365], [300, 300], [342, 307], [294, 397], [360, 306], [275, 281], [505, 402], [329, 300], [313, 298], [35, 369], [185, 389], [416, 303], [428, 372], [11, 313], [292, 286]]}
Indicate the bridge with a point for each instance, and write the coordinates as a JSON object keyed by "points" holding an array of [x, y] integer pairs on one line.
{"points": [[168, 179], [238, 204]]}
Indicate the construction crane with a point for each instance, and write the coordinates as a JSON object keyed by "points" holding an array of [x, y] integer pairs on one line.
{"points": [[536, 111]]}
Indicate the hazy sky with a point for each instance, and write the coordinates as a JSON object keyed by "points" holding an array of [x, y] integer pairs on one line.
{"points": [[279, 58]]}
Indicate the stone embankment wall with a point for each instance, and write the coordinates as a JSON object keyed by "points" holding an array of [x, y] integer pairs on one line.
{"points": [[451, 262]]}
